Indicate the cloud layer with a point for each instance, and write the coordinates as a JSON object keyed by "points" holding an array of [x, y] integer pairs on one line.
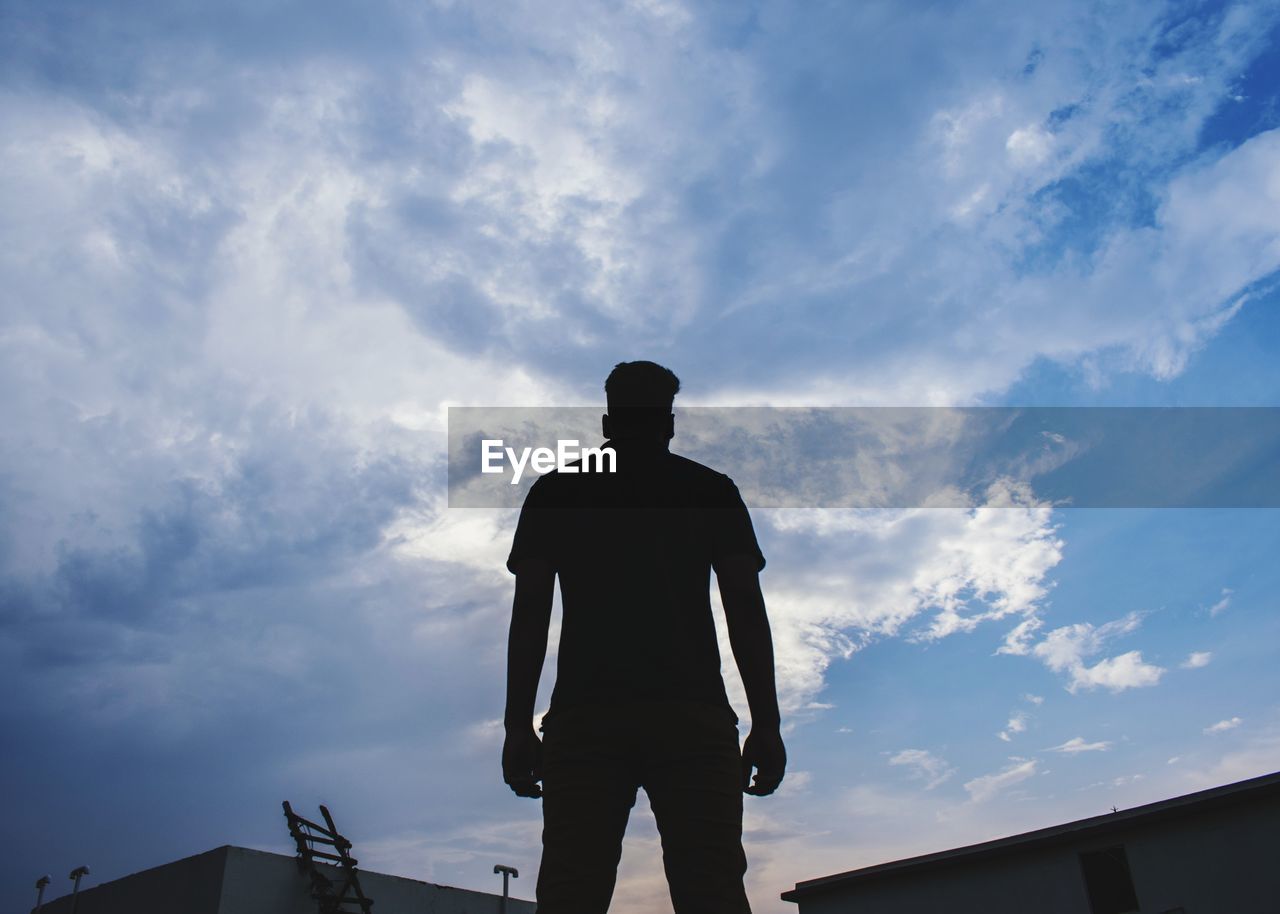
{"points": [[250, 255]]}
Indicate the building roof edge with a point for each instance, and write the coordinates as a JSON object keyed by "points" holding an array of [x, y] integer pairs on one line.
{"points": [[1093, 826]]}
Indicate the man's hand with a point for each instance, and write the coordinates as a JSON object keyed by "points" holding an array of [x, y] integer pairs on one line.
{"points": [[522, 762], [763, 750]]}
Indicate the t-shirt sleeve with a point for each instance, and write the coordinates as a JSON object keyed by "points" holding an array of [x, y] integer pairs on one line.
{"points": [[732, 533], [536, 536]]}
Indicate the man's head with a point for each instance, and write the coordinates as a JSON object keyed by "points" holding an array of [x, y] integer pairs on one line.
{"points": [[640, 395]]}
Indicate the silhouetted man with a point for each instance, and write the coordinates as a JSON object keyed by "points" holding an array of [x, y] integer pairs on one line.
{"points": [[638, 699]]}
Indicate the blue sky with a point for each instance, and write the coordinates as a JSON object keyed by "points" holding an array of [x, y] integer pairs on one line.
{"points": [[249, 253]]}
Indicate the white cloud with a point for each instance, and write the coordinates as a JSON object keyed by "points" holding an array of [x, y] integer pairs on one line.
{"points": [[796, 781], [1126, 671], [1197, 659], [1260, 754], [1017, 724], [1224, 725], [483, 735], [1222, 604], [1034, 699], [1007, 583], [982, 789], [1018, 639], [1077, 744], [924, 765], [1063, 650], [1029, 145], [840, 579]]}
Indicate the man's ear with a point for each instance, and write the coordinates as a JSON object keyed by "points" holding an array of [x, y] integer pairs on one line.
{"points": [[604, 425], [671, 426]]}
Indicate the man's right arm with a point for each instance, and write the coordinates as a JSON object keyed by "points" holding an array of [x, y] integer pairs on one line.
{"points": [[526, 651], [752, 643]]}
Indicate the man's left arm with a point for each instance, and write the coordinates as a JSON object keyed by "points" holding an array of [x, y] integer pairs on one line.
{"points": [[752, 644], [526, 651]]}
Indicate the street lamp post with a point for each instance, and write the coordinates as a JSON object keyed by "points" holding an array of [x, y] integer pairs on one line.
{"points": [[506, 871], [76, 874], [40, 884]]}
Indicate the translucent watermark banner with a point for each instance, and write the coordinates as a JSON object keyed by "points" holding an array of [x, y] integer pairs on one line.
{"points": [[905, 457]]}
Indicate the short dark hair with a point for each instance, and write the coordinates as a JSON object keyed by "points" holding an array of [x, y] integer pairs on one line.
{"points": [[640, 396], [643, 384]]}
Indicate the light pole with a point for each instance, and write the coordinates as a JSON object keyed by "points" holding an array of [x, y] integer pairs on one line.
{"points": [[40, 884], [75, 892], [506, 871]]}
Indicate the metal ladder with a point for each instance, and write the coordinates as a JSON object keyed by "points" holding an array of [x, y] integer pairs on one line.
{"points": [[331, 897]]}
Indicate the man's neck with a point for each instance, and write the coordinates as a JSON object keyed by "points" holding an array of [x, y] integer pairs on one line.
{"points": [[640, 448]]}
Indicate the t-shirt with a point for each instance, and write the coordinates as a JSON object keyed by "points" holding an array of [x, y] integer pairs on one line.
{"points": [[634, 551]]}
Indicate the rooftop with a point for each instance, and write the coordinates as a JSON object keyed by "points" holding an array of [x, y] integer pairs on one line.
{"points": [[1082, 829]]}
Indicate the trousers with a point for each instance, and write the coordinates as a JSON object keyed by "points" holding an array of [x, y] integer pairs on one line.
{"points": [[686, 757]]}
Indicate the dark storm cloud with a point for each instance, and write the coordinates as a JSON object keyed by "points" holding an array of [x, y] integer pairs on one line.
{"points": [[289, 501]]}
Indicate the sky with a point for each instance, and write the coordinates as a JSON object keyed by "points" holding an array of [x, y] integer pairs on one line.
{"points": [[250, 253]]}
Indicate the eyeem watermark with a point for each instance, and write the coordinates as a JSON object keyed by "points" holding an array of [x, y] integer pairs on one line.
{"points": [[907, 457], [493, 453]]}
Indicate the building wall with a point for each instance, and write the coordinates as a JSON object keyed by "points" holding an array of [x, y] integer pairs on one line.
{"points": [[1215, 861], [1045, 882], [1226, 860], [237, 880], [191, 884], [262, 883]]}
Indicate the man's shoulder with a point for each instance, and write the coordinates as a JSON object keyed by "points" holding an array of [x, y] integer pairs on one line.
{"points": [[698, 473], [564, 487], [547, 485], [688, 482], [701, 486]]}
